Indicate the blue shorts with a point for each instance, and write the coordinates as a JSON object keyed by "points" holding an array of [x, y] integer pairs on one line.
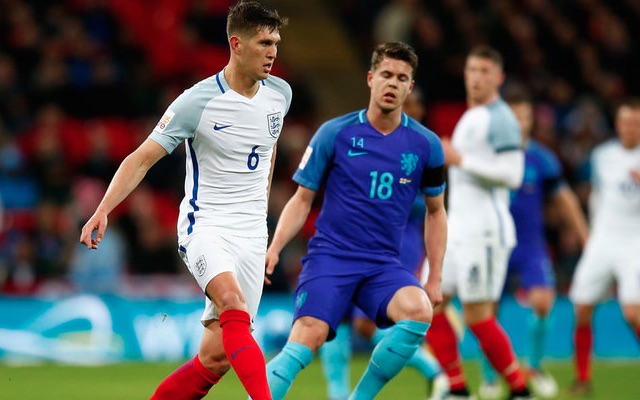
{"points": [[328, 286], [530, 267]]}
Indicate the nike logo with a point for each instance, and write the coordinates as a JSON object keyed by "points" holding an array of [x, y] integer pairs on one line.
{"points": [[392, 351], [217, 127], [352, 153], [235, 353], [281, 377]]}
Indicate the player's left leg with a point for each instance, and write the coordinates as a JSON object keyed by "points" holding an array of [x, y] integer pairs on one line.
{"points": [[242, 350], [583, 342], [421, 360], [335, 357], [322, 299], [478, 296], [410, 307], [631, 314], [629, 289], [541, 299], [193, 380]]}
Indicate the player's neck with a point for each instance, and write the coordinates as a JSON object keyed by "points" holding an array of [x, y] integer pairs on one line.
{"points": [[385, 123], [475, 102], [239, 82]]}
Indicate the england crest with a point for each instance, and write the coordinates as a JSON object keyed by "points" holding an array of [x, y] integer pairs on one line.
{"points": [[274, 121], [201, 265]]}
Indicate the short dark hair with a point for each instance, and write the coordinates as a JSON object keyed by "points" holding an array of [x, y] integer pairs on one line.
{"points": [[631, 102], [397, 51], [250, 16], [488, 52]]}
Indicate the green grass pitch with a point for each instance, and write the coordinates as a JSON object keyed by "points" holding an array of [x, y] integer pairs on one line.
{"points": [[135, 381]]}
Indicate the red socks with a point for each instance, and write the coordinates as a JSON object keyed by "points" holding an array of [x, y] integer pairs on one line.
{"points": [[498, 349], [444, 344], [583, 338], [244, 354], [191, 381]]}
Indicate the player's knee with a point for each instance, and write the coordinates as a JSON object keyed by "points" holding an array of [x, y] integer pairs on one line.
{"points": [[632, 316], [542, 310], [417, 312], [583, 314], [310, 332], [230, 300], [215, 362]]}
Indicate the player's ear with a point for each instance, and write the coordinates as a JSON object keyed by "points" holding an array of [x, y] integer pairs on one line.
{"points": [[234, 43], [369, 78]]}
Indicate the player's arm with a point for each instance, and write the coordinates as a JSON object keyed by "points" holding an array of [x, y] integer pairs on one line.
{"points": [[435, 239], [131, 171], [273, 163], [504, 168], [567, 202], [293, 216]]}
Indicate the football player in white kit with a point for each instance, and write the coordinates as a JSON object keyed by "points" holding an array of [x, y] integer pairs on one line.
{"points": [[486, 161], [613, 249], [230, 123]]}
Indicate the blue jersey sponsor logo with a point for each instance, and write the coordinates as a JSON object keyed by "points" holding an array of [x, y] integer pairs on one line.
{"points": [[352, 153], [217, 127]]}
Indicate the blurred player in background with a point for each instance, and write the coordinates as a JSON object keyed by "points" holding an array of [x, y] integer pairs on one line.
{"points": [[336, 354], [613, 249], [530, 266], [485, 162], [230, 123], [373, 163]]}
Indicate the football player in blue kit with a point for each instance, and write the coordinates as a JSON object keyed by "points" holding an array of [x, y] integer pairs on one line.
{"points": [[372, 164], [336, 354]]}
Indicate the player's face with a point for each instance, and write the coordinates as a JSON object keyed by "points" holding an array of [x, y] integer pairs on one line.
{"points": [[524, 114], [628, 126], [258, 53], [482, 78], [390, 83]]}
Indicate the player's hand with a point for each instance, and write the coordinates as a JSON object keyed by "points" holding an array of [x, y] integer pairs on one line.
{"points": [[98, 222], [271, 260], [635, 175], [434, 291]]}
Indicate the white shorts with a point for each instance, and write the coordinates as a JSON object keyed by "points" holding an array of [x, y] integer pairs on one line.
{"points": [[210, 253], [605, 260], [474, 271]]}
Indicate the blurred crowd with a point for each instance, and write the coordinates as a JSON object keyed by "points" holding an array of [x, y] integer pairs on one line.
{"points": [[83, 82]]}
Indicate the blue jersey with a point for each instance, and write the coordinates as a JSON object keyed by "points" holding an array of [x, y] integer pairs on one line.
{"points": [[412, 251], [371, 180], [542, 178]]}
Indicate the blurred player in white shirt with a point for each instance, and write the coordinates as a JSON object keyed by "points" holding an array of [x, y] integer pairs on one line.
{"points": [[486, 161], [613, 249]]}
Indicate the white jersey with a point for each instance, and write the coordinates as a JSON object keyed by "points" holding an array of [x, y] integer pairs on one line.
{"points": [[611, 254], [615, 196], [229, 143], [478, 207]]}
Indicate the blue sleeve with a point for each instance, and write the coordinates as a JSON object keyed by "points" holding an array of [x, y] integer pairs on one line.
{"points": [[433, 180], [551, 171], [317, 158]]}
